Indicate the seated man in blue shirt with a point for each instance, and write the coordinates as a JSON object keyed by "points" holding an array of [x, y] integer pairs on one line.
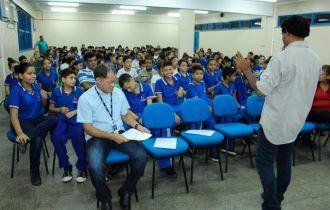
{"points": [[64, 102], [86, 76], [102, 110]]}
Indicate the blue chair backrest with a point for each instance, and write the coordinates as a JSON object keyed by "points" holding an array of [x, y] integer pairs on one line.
{"points": [[224, 105], [254, 105], [158, 116], [11, 135], [195, 110]]}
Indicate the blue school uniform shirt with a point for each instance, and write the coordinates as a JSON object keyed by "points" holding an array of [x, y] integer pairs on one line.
{"points": [[137, 102], [28, 103], [48, 83], [61, 99], [86, 75], [212, 79], [168, 91], [11, 80], [198, 91], [222, 89], [257, 68], [184, 81], [244, 90]]}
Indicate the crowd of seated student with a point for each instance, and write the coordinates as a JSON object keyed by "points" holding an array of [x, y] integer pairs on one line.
{"points": [[145, 74]]}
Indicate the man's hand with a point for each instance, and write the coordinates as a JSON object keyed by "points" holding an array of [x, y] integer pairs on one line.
{"points": [[70, 114], [64, 110], [22, 138], [120, 139], [241, 63], [142, 129]]}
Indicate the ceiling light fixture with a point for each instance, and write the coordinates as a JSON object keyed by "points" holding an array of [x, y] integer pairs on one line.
{"points": [[63, 9], [124, 7], [173, 14], [123, 12], [63, 4], [202, 12], [272, 1]]}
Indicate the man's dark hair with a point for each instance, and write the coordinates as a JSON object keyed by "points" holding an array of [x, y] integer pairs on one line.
{"points": [[123, 79], [166, 63], [227, 72], [297, 26], [88, 55], [66, 72], [196, 67], [126, 57], [102, 71]]}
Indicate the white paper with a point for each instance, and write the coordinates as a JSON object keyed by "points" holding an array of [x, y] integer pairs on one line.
{"points": [[165, 143], [201, 132], [136, 135]]}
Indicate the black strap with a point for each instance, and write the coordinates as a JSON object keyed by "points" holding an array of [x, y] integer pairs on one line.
{"points": [[105, 106]]}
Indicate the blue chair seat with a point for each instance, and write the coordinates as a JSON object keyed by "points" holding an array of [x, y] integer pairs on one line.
{"points": [[115, 157], [234, 130], [323, 126], [200, 140], [11, 135], [158, 153], [308, 127], [255, 127]]}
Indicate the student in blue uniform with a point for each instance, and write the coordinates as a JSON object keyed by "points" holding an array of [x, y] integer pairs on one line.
{"points": [[64, 102], [26, 116], [243, 89], [212, 77], [183, 77], [138, 95], [47, 78], [10, 81]]}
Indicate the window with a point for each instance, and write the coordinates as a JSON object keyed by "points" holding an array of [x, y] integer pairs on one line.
{"points": [[231, 25], [322, 18], [234, 25], [245, 24], [225, 26], [256, 23], [24, 30]]}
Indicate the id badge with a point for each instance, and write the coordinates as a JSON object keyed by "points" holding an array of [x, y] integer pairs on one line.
{"points": [[114, 128]]}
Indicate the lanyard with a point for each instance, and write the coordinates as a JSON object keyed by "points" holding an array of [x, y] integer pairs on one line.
{"points": [[105, 106]]}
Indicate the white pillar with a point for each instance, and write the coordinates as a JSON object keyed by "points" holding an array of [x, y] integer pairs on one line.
{"points": [[186, 32]]}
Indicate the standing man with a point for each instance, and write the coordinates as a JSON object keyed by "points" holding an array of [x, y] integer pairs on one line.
{"points": [[102, 110], [42, 46], [289, 84]]}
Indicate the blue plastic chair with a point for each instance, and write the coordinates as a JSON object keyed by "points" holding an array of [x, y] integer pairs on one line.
{"points": [[254, 105], [225, 106], [157, 117], [321, 127], [194, 112], [11, 136]]}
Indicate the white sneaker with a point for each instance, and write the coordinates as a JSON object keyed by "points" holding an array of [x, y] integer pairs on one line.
{"points": [[229, 152], [67, 176], [81, 177]]}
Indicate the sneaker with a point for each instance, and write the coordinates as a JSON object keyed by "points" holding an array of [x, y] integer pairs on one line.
{"points": [[35, 179], [232, 153], [67, 176], [81, 176], [214, 159]]}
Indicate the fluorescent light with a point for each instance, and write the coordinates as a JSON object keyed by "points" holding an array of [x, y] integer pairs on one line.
{"points": [[173, 14], [124, 7], [63, 9], [273, 1], [202, 12], [123, 12], [63, 4]]}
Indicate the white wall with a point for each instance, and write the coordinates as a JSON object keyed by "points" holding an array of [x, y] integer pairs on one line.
{"points": [[109, 30], [9, 44], [245, 40], [319, 39]]}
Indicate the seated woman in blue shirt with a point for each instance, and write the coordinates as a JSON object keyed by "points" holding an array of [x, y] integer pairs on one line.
{"points": [[47, 78], [26, 115], [183, 76], [10, 81]]}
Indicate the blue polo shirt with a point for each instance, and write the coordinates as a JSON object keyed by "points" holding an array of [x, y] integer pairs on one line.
{"points": [[257, 68], [11, 80], [244, 90], [212, 79], [168, 91], [48, 83], [61, 99], [28, 103], [137, 102], [198, 91], [184, 81], [86, 75], [222, 89]]}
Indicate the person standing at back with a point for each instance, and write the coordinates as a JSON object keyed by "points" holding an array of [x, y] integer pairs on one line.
{"points": [[42, 46], [289, 84]]}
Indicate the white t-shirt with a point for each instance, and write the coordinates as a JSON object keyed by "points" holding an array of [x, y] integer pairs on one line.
{"points": [[289, 83], [133, 72], [154, 79]]}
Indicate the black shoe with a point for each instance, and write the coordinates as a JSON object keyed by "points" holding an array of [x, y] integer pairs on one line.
{"points": [[170, 172], [106, 206], [125, 199], [35, 179], [81, 176], [67, 176]]}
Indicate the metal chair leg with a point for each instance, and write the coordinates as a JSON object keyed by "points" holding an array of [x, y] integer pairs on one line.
{"points": [[312, 147], [218, 153], [184, 174], [17, 154], [326, 141], [153, 179], [206, 155], [192, 165], [13, 161], [46, 148], [319, 145], [250, 153], [54, 159], [45, 159], [226, 156]]}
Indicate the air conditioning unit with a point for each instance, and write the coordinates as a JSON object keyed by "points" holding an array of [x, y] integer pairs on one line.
{"points": [[5, 10]]}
